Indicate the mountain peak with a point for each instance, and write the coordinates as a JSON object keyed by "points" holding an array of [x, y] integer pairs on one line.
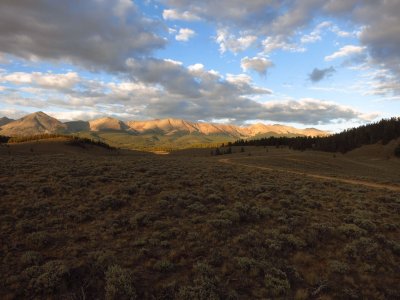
{"points": [[107, 123], [34, 123]]}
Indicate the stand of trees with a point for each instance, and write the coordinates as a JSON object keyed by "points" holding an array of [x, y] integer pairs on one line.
{"points": [[4, 139], [384, 130]]}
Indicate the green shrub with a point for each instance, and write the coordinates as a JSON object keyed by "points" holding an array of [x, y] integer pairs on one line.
{"points": [[119, 284]]}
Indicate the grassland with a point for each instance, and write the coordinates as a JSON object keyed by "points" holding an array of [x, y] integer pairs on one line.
{"points": [[97, 224], [151, 142]]}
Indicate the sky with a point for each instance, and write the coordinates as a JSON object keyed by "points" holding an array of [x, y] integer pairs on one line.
{"points": [[327, 64]]}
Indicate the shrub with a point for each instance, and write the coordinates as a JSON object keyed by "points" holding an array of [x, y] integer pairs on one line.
{"points": [[40, 239], [350, 230], [142, 219], [276, 283], [164, 266], [197, 207], [205, 285], [101, 260], [338, 267], [31, 258], [230, 215], [110, 202], [26, 226], [119, 284], [53, 275], [220, 223]]}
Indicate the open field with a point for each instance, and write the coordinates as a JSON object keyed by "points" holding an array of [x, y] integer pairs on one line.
{"points": [[93, 224]]}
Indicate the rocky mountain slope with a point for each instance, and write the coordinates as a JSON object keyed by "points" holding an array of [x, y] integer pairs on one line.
{"points": [[35, 123], [39, 122]]}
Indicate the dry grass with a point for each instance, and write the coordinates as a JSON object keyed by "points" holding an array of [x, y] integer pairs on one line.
{"points": [[94, 225]]}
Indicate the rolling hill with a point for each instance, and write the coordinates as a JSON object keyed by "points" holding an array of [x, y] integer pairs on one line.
{"points": [[149, 134]]}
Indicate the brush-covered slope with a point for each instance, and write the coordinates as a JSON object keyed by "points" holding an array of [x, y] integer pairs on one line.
{"points": [[32, 124]]}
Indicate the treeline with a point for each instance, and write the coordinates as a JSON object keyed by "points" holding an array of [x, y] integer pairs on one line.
{"points": [[384, 131], [35, 137], [4, 139], [82, 142]]}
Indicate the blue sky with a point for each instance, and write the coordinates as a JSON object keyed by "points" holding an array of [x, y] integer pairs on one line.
{"points": [[309, 63]]}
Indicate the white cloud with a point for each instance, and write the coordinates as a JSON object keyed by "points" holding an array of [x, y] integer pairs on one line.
{"points": [[185, 34], [280, 42], [345, 51], [75, 115], [313, 111], [315, 35], [46, 80], [230, 42], [173, 14], [257, 64]]}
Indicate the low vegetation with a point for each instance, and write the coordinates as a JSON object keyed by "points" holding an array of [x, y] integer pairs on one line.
{"points": [[187, 226]]}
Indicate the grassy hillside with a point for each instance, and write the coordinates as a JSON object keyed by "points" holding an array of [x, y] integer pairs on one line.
{"points": [[157, 141]]}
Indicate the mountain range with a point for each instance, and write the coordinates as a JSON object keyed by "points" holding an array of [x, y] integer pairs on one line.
{"points": [[150, 133]]}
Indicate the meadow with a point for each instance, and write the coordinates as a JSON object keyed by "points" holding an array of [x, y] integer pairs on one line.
{"points": [[89, 223]]}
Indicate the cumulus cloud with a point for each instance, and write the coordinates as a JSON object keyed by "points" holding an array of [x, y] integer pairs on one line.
{"points": [[46, 80], [257, 64], [173, 14], [382, 35], [377, 22], [280, 42], [84, 33], [319, 74], [216, 97], [345, 51], [315, 35], [184, 34], [230, 42], [312, 111]]}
